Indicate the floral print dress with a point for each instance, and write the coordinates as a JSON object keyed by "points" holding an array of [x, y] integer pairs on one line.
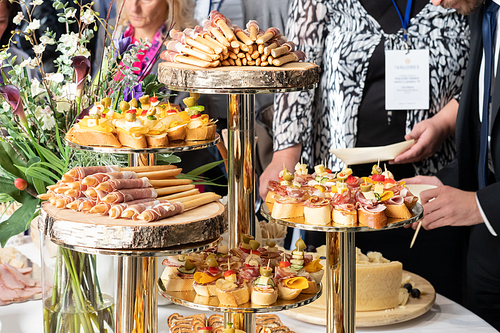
{"points": [[340, 37]]}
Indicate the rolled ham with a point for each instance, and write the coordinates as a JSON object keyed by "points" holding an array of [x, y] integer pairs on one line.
{"points": [[133, 211], [117, 209], [95, 179], [395, 200], [121, 184], [130, 195], [161, 211], [82, 172]]}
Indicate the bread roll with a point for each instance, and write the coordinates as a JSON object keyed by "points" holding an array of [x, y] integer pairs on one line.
{"points": [[287, 293], [287, 210], [178, 284], [397, 211], [204, 132], [157, 141], [261, 297], [132, 141], [92, 138], [375, 220], [233, 297], [318, 215], [344, 217], [177, 133]]}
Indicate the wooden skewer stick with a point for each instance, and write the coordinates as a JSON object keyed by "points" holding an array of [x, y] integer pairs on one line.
{"points": [[416, 233]]}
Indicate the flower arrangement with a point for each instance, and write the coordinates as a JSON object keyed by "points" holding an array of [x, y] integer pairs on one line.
{"points": [[36, 112]]}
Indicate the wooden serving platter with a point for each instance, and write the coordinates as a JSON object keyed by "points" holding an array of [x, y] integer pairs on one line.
{"points": [[100, 232], [291, 75], [315, 313]]}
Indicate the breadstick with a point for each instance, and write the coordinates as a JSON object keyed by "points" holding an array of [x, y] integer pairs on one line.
{"points": [[192, 197], [173, 189], [241, 55], [231, 61], [216, 46], [248, 56], [72, 193], [161, 174], [198, 54], [253, 28], [261, 48], [263, 57], [243, 37], [189, 60], [217, 49], [98, 209], [237, 62], [210, 197], [220, 37], [292, 56], [270, 33], [250, 49], [192, 42], [240, 45], [45, 196], [255, 54], [251, 63], [233, 55], [244, 61], [225, 63], [180, 194], [264, 63], [282, 50], [149, 168], [61, 189], [225, 56], [257, 62], [53, 187]]}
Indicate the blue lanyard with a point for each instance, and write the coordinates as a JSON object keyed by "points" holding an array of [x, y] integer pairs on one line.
{"points": [[406, 21], [210, 6]]}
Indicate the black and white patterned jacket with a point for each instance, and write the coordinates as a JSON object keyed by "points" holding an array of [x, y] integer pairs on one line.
{"points": [[340, 36]]}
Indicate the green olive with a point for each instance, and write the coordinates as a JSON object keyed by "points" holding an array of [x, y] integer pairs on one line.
{"points": [[211, 261], [365, 187], [264, 271], [270, 243], [342, 176], [144, 99], [129, 116], [300, 244], [189, 265], [196, 96], [376, 170], [254, 245], [94, 116], [245, 246], [106, 102], [124, 106], [246, 238], [288, 176], [133, 103]]}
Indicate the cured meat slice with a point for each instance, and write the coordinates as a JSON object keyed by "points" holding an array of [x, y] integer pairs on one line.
{"points": [[119, 184], [78, 173], [130, 195], [161, 211], [9, 279], [117, 210], [23, 279]]}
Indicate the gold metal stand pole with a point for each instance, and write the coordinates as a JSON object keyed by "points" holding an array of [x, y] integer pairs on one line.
{"points": [[136, 290], [340, 282], [241, 180]]}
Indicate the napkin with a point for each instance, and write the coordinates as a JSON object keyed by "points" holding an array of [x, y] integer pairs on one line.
{"points": [[362, 155]]}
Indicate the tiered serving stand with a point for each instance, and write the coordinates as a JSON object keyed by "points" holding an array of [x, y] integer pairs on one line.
{"points": [[240, 84], [136, 244]]}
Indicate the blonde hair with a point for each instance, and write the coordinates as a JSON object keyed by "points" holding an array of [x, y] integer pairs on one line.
{"points": [[183, 14]]}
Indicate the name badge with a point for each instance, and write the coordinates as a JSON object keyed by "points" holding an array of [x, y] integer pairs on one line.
{"points": [[407, 79]]}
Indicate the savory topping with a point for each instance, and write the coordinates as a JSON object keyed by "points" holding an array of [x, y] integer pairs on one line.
{"points": [[313, 266], [297, 282]]}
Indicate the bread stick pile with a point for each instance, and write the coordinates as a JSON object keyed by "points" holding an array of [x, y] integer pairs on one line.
{"points": [[220, 43], [148, 193]]}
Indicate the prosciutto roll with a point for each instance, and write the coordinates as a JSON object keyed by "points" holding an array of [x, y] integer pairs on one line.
{"points": [[161, 211], [130, 195], [82, 172], [95, 179], [121, 184], [117, 210], [133, 211]]}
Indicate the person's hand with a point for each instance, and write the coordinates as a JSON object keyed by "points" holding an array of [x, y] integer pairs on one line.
{"points": [[429, 134], [448, 206], [424, 180], [289, 157]]}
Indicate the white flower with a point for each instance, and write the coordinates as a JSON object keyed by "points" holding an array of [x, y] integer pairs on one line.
{"points": [[33, 25], [33, 63], [39, 48], [18, 18], [6, 106], [45, 115], [69, 40], [38, 2], [4, 55], [63, 106], [47, 40], [82, 51], [36, 88], [70, 13], [55, 77], [88, 17]]}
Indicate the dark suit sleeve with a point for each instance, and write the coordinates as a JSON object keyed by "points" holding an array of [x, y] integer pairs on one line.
{"points": [[489, 199]]}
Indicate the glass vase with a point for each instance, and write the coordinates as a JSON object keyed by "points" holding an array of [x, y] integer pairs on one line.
{"points": [[74, 300]]}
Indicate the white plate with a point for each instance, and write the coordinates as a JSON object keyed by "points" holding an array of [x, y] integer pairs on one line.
{"points": [[415, 189], [351, 156]]}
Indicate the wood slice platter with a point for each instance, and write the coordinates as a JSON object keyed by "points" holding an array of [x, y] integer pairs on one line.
{"points": [[100, 232], [289, 76], [315, 313]]}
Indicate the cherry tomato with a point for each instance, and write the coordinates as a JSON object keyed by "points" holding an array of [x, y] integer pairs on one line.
{"points": [[229, 273], [378, 178], [131, 111], [194, 116], [153, 99], [284, 264], [213, 270], [389, 180], [144, 112], [245, 250], [328, 170]]}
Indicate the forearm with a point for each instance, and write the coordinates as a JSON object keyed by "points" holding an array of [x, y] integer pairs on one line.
{"points": [[447, 118]]}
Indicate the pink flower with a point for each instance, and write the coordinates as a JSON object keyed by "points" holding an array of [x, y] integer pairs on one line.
{"points": [[82, 68], [13, 96]]}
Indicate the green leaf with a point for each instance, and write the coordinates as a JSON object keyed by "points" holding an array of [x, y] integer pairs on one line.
{"points": [[37, 173], [19, 220], [52, 159], [198, 171], [39, 186], [168, 158], [7, 159]]}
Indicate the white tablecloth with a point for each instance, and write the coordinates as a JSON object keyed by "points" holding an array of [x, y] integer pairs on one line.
{"points": [[445, 316]]}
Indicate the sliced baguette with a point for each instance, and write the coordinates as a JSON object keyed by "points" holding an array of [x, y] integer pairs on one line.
{"points": [[92, 138], [397, 211], [287, 210], [132, 141]]}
